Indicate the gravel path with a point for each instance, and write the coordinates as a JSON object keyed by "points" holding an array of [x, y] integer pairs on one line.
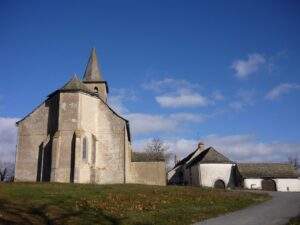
{"points": [[277, 211]]}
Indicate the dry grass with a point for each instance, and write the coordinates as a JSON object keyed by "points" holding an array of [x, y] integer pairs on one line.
{"points": [[50, 203]]}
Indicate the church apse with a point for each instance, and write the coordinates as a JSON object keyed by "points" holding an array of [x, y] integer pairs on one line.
{"points": [[74, 136]]}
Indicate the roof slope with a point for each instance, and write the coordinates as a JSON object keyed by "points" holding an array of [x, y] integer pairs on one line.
{"points": [[209, 155], [267, 170]]}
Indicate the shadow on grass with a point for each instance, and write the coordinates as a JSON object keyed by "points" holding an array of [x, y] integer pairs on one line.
{"points": [[14, 214]]}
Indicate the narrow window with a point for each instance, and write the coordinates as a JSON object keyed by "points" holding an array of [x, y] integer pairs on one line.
{"points": [[94, 150], [96, 90], [84, 148]]}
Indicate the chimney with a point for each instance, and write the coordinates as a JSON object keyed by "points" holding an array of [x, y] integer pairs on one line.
{"points": [[201, 146]]}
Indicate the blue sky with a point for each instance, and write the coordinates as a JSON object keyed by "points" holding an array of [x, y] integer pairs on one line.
{"points": [[225, 72]]}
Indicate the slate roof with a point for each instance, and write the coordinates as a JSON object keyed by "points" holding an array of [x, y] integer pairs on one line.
{"points": [[267, 170], [187, 158], [92, 71], [76, 85], [209, 155]]}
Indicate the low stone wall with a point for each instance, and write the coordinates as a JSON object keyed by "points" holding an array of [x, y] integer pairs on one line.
{"points": [[252, 183], [152, 173]]}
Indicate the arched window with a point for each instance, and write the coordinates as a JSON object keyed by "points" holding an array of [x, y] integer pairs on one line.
{"points": [[96, 90], [85, 149]]}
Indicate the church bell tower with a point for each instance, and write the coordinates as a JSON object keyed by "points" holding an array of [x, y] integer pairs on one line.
{"points": [[93, 77]]}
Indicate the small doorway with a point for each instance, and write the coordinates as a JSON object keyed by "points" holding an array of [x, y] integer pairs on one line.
{"points": [[219, 184], [268, 185]]}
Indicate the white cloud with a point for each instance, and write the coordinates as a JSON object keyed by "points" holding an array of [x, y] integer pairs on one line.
{"points": [[246, 148], [243, 99], [184, 99], [176, 93], [141, 123], [243, 68], [239, 148], [281, 89], [8, 136]]}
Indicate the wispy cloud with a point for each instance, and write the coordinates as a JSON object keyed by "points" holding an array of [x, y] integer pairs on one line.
{"points": [[243, 99], [119, 98], [217, 96], [142, 123], [281, 89], [168, 85], [245, 67], [182, 99], [8, 136]]}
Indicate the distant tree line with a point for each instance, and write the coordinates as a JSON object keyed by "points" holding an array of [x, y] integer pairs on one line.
{"points": [[7, 170], [294, 160]]}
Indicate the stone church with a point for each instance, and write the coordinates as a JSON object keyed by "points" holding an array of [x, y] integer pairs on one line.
{"points": [[75, 136]]}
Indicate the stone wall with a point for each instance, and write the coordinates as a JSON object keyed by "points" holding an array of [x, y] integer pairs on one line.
{"points": [[67, 125], [104, 132], [35, 132], [153, 173], [50, 144]]}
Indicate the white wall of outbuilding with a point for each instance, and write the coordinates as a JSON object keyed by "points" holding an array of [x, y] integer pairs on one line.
{"points": [[287, 184], [207, 174], [282, 184], [253, 183]]}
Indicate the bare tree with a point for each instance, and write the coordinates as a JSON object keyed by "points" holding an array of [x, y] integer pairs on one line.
{"points": [[294, 160], [155, 150]]}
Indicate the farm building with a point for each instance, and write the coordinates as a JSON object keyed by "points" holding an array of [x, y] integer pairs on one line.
{"points": [[204, 167], [269, 176], [209, 168]]}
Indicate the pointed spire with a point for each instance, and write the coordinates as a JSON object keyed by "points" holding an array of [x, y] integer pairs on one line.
{"points": [[92, 71]]}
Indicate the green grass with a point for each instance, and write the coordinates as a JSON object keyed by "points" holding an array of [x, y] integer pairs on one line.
{"points": [[53, 203], [295, 221]]}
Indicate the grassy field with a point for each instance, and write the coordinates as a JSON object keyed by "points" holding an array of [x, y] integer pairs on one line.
{"points": [[295, 221], [52, 203]]}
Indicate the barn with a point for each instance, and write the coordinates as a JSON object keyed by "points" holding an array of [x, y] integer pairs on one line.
{"points": [[269, 176], [204, 167]]}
